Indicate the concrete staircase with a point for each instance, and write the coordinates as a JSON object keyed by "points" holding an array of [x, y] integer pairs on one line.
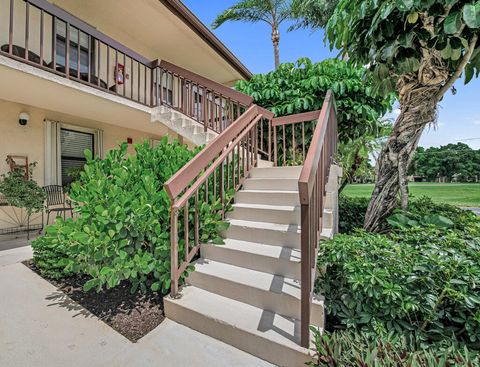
{"points": [[247, 291], [182, 125]]}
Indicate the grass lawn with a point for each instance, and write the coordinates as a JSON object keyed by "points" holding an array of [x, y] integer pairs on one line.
{"points": [[451, 193]]}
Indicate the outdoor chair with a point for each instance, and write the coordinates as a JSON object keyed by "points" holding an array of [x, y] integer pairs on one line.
{"points": [[57, 201]]}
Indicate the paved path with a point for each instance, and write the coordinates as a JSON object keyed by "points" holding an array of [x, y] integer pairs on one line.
{"points": [[475, 210], [41, 326]]}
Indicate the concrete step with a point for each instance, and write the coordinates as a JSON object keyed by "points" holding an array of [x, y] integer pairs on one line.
{"points": [[263, 232], [267, 197], [183, 125], [283, 214], [328, 218], [264, 164], [327, 234], [264, 290], [278, 260], [265, 334], [331, 200], [277, 172], [282, 184]]}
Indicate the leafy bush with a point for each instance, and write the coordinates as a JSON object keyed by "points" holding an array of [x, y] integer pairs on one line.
{"points": [[21, 192], [349, 349], [422, 211], [302, 86], [424, 279], [122, 231], [351, 213], [408, 220]]}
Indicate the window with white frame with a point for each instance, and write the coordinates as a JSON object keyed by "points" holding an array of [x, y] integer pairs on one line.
{"points": [[65, 147]]}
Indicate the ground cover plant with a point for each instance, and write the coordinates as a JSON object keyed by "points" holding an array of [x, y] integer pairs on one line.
{"points": [[422, 277], [350, 349], [121, 232]]}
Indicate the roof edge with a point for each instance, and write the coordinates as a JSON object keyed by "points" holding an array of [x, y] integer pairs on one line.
{"points": [[191, 20]]}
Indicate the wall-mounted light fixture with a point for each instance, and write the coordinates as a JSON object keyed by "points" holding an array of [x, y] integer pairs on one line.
{"points": [[23, 118]]}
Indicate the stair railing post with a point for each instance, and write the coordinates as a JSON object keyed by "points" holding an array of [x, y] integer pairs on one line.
{"points": [[306, 276], [174, 276]]}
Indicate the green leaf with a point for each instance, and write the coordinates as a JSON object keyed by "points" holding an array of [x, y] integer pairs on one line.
{"points": [[469, 72], [471, 15], [412, 18], [89, 285], [218, 240], [439, 221], [105, 271], [456, 54], [453, 23], [405, 5]]}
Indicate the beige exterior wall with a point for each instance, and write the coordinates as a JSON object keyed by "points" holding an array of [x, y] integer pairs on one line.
{"points": [[30, 141]]}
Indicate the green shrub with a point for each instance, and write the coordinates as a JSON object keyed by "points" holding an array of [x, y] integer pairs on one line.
{"points": [[20, 192], [122, 228], [351, 213], [423, 279], [348, 349]]}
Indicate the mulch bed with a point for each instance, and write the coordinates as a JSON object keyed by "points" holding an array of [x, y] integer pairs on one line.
{"points": [[133, 316]]}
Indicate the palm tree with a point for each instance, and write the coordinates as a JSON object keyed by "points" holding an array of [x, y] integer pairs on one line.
{"points": [[272, 12]]}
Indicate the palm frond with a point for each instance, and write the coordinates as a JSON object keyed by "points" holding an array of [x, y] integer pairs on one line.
{"points": [[312, 14], [250, 11]]}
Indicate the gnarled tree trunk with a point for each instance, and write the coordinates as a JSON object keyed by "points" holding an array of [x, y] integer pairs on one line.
{"points": [[419, 96]]}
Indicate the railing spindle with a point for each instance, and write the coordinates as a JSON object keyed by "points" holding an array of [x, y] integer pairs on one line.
{"points": [[27, 30]]}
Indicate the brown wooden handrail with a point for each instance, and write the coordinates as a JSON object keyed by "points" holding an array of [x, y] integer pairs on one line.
{"points": [[211, 104], [297, 126], [221, 166], [294, 119], [178, 182], [240, 97], [311, 185]]}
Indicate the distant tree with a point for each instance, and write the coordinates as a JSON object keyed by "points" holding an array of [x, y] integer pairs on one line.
{"points": [[272, 12], [355, 154], [452, 161]]}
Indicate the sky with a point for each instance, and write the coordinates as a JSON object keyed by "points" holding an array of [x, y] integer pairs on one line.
{"points": [[459, 115]]}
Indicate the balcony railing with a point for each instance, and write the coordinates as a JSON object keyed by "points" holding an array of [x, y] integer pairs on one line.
{"points": [[43, 35]]}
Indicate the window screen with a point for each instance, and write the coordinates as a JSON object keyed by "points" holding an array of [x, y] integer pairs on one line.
{"points": [[76, 37], [73, 144]]}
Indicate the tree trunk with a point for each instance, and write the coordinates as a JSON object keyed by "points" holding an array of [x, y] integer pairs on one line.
{"points": [[353, 169], [419, 95], [276, 43]]}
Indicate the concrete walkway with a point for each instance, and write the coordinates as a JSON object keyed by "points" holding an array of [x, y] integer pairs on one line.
{"points": [[475, 210], [41, 326]]}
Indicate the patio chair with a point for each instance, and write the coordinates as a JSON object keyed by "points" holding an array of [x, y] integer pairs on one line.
{"points": [[57, 201]]}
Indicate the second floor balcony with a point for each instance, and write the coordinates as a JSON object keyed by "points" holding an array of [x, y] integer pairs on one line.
{"points": [[57, 40]]}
